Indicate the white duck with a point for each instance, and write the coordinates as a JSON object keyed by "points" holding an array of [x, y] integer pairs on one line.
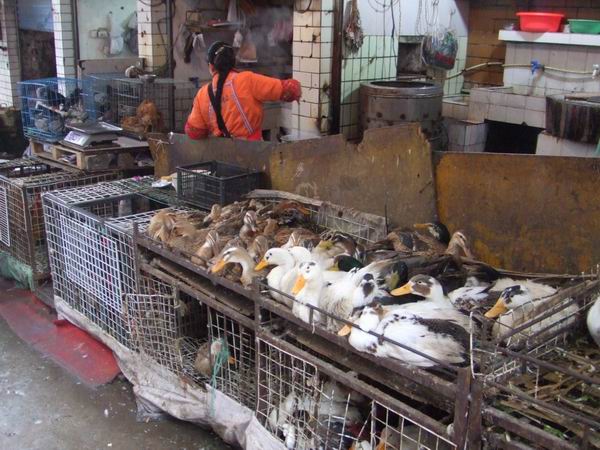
{"points": [[308, 290], [440, 339], [282, 276], [302, 254], [517, 306], [435, 306], [237, 255], [593, 321]]}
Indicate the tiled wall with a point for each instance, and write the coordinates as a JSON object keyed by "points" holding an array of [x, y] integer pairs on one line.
{"points": [[576, 58], [64, 38], [10, 71], [312, 50], [488, 17], [152, 37], [375, 60]]}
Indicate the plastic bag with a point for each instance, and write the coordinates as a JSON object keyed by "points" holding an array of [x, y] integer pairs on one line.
{"points": [[439, 48]]}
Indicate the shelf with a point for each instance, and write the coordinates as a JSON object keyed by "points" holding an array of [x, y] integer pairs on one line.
{"points": [[587, 40]]}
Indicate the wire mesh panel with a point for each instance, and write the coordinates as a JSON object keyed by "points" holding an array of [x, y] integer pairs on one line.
{"points": [[169, 327], [4, 224], [534, 329], [235, 373], [22, 214], [304, 408], [90, 235], [49, 105], [391, 430], [167, 100], [100, 90]]}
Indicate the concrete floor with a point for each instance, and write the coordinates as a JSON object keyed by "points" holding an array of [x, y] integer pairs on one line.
{"points": [[44, 407]]}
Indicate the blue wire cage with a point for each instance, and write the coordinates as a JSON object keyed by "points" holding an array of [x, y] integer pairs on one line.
{"points": [[49, 105]]}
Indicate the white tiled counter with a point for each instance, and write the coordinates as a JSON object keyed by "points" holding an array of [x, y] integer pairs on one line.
{"points": [[507, 104]]}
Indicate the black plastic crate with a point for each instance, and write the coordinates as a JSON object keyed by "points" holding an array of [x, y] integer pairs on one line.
{"points": [[211, 182]]}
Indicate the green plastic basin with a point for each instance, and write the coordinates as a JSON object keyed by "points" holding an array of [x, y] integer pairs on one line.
{"points": [[584, 26]]}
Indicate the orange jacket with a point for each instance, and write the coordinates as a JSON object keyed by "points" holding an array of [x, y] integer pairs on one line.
{"points": [[241, 106]]}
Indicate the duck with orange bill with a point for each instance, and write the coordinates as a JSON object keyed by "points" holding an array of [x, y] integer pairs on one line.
{"points": [[522, 303], [308, 291], [237, 255], [424, 340]]}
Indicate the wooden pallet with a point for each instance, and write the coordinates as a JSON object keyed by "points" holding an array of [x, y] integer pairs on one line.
{"points": [[122, 157]]}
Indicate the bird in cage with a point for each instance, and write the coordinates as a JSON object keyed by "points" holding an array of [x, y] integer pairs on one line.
{"points": [[210, 353], [147, 119]]}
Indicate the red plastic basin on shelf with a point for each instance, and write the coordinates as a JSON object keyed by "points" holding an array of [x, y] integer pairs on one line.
{"points": [[540, 22]]}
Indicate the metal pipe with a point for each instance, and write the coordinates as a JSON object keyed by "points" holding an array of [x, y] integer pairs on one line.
{"points": [[335, 89], [170, 68]]}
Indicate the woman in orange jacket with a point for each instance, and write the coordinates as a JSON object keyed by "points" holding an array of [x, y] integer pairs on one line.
{"points": [[232, 105]]}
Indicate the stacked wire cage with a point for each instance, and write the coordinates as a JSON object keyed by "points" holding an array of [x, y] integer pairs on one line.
{"points": [[193, 340], [22, 184], [543, 371], [171, 98], [100, 90], [50, 105], [169, 327], [308, 402], [92, 263]]}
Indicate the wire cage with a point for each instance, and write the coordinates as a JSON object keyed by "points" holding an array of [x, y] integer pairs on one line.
{"points": [[22, 232], [554, 385], [49, 105], [215, 182], [235, 377], [169, 327], [534, 329], [116, 99], [308, 403], [92, 255]]}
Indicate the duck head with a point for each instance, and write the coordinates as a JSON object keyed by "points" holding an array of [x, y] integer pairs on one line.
{"points": [[423, 286], [250, 220], [234, 255], [436, 229], [275, 257], [458, 242], [512, 297], [309, 271], [346, 263]]}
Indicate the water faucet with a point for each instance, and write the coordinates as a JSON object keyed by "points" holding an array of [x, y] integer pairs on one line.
{"points": [[596, 71]]}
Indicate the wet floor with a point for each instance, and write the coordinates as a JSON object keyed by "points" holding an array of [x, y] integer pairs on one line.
{"points": [[44, 407]]}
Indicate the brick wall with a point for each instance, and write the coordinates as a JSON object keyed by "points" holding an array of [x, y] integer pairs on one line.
{"points": [[488, 17], [10, 71], [64, 38], [312, 50]]}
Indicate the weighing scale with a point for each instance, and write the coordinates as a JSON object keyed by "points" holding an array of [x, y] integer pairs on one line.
{"points": [[92, 135]]}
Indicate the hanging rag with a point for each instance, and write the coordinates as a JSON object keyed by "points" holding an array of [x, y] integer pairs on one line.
{"points": [[353, 33]]}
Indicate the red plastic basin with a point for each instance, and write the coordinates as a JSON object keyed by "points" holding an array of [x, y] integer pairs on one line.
{"points": [[540, 22]]}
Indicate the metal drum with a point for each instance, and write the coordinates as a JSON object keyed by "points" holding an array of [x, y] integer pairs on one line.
{"points": [[388, 103]]}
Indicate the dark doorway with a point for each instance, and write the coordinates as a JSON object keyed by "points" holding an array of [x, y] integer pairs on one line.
{"points": [[36, 39]]}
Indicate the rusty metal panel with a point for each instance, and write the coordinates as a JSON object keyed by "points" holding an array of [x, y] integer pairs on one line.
{"points": [[391, 169], [181, 151], [523, 212]]}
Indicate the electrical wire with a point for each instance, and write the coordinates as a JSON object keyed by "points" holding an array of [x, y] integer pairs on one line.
{"points": [[150, 4], [307, 8]]}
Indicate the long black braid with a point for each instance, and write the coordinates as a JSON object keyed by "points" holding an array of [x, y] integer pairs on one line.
{"points": [[222, 57]]}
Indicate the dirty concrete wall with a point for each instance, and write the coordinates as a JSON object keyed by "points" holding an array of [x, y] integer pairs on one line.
{"points": [[523, 212], [37, 49]]}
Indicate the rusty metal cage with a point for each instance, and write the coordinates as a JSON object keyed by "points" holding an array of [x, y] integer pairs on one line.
{"points": [[92, 254], [236, 378], [22, 233], [308, 401], [533, 329], [169, 327]]}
